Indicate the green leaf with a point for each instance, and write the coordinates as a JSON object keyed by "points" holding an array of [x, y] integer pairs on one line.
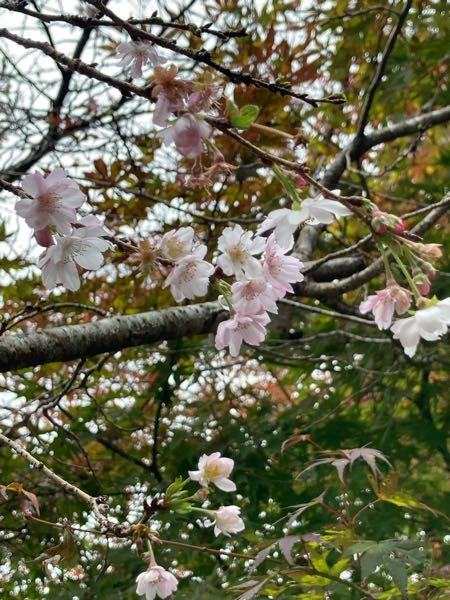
{"points": [[244, 117]]}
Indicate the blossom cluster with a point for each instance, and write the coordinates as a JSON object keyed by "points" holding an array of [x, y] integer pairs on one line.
{"points": [[51, 211], [174, 96], [189, 277], [212, 468], [216, 469], [260, 283], [260, 266], [432, 318]]}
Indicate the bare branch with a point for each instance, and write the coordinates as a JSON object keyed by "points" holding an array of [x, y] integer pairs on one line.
{"points": [[364, 117]]}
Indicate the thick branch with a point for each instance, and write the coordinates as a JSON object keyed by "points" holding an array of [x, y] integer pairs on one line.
{"points": [[362, 144], [107, 335]]}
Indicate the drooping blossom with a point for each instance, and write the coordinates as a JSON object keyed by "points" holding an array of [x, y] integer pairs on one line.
{"points": [[322, 210], [238, 248], [241, 328], [251, 296], [281, 270], [385, 302], [171, 92], [429, 323], [59, 262], [202, 100], [156, 581], [54, 200], [190, 276], [177, 243], [228, 521], [285, 222], [188, 134], [139, 54], [315, 210], [214, 468]]}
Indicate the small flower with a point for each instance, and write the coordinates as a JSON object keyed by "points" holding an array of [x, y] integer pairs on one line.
{"points": [[58, 262], [429, 323], [172, 94], [228, 521], [138, 53], [254, 296], [238, 248], [215, 469], [323, 210], [177, 243], [188, 134], [190, 276], [54, 201], [156, 581], [280, 270], [385, 302], [241, 328], [202, 99], [285, 221]]}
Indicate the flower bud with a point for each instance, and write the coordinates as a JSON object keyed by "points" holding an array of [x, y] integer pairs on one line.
{"points": [[383, 222], [430, 251], [423, 283]]}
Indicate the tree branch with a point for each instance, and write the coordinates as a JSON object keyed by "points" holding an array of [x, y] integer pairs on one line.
{"points": [[364, 117], [107, 335]]}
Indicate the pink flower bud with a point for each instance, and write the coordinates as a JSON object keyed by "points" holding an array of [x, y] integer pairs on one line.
{"points": [[44, 237], [423, 283], [383, 222]]}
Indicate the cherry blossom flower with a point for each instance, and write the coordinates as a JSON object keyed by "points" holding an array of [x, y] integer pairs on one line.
{"points": [[385, 302], [280, 270], [138, 54], [58, 262], [238, 248], [227, 520], [429, 323], [285, 221], [177, 243], [54, 201], [202, 100], [322, 210], [172, 94], [156, 581], [188, 134], [93, 225], [215, 469], [190, 276], [241, 328], [254, 296]]}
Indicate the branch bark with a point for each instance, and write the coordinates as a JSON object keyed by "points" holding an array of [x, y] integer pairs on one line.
{"points": [[65, 343]]}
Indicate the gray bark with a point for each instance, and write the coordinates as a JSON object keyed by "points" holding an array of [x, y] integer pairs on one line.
{"points": [[107, 335]]}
